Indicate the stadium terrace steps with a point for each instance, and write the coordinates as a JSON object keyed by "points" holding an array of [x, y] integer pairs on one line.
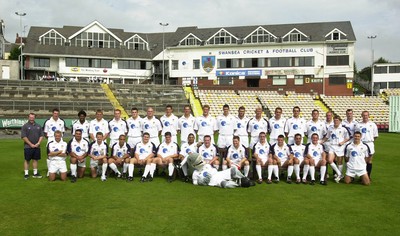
{"points": [[321, 105], [114, 101], [194, 102]]}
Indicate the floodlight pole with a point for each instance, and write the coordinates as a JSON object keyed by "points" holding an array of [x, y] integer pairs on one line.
{"points": [[163, 45], [20, 37], [372, 37]]}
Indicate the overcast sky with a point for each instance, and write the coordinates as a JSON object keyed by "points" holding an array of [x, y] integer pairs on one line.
{"points": [[368, 17]]}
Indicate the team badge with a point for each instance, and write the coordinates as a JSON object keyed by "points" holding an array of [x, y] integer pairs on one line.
{"points": [[208, 63]]}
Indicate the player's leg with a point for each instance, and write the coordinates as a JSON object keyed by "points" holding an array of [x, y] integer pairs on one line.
{"points": [[270, 170], [259, 170], [296, 167], [131, 168], [104, 169], [306, 167], [27, 158], [170, 163], [73, 166], [289, 165], [246, 167], [312, 171], [322, 169], [112, 163], [331, 159], [365, 179], [63, 170], [277, 166]]}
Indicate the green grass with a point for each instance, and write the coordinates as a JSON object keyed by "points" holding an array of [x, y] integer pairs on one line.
{"points": [[89, 207]]}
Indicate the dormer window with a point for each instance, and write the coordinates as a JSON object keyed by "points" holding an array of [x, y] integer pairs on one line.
{"points": [[260, 35], [295, 35], [190, 40], [335, 35], [136, 43], [52, 37], [222, 37]]}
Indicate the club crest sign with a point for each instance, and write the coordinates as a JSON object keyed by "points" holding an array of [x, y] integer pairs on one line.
{"points": [[208, 63]]}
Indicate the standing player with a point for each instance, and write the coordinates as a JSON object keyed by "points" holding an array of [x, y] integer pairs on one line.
{"points": [[167, 152], [143, 154], [77, 149], [241, 127], [298, 149], [117, 127], [262, 153], [369, 133], [209, 152], [205, 125], [295, 125], [120, 156], [152, 125], [282, 153], [81, 124], [328, 119], [32, 134], [98, 151], [186, 148], [99, 124], [257, 125], [315, 153], [350, 122], [277, 125], [57, 153], [237, 156], [186, 124], [315, 126], [134, 127], [226, 126], [169, 124], [355, 153]]}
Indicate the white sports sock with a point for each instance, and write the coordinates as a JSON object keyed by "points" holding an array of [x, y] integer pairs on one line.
{"points": [[184, 169], [305, 171], [34, 171], [259, 173], [270, 170], [246, 170], [289, 172], [131, 167], [170, 169], [73, 169], [340, 169], [104, 170], [146, 170], [183, 162], [312, 172], [114, 168], [48, 163], [152, 169], [125, 167], [297, 170], [276, 171], [334, 167], [26, 172], [322, 171]]}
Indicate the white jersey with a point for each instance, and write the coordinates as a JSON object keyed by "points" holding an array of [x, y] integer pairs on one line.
{"points": [[318, 127], [277, 127], [315, 151], [255, 127], [262, 150], [337, 135], [369, 131], [53, 146], [143, 150], [295, 126], [134, 127], [328, 124], [187, 148], [118, 151], [117, 128], [79, 148], [186, 126], [298, 151], [79, 126], [169, 124], [208, 153], [96, 149], [205, 125], [237, 154], [168, 149], [99, 126], [226, 124], [350, 125], [283, 153], [241, 126], [151, 126], [50, 126], [357, 155]]}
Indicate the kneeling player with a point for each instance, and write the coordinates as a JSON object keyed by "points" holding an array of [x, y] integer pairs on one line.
{"points": [[120, 156], [98, 151], [355, 153], [237, 156], [57, 153], [283, 155], [143, 154], [77, 149], [262, 152], [316, 155], [298, 149]]}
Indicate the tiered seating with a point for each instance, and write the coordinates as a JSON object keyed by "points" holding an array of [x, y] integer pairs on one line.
{"points": [[17, 98], [143, 95], [392, 92], [287, 102], [379, 111]]}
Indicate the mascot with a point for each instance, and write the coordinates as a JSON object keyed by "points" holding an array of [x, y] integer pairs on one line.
{"points": [[204, 174]]}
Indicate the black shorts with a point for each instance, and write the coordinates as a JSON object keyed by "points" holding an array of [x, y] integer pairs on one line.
{"points": [[32, 154]]}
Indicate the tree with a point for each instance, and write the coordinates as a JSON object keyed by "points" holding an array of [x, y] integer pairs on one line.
{"points": [[365, 73], [15, 53]]}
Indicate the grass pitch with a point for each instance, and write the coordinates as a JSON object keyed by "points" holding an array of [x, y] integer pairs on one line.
{"points": [[115, 207]]}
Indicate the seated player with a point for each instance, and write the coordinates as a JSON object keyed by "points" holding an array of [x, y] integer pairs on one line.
{"points": [[209, 152], [143, 154], [57, 153], [237, 156], [98, 151], [356, 153], [188, 147], [166, 153], [120, 156], [283, 155], [262, 152], [315, 153], [77, 149], [298, 160]]}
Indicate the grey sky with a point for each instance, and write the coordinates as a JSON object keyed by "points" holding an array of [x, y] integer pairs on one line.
{"points": [[368, 17]]}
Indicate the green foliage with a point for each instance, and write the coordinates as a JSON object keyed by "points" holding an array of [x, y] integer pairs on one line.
{"points": [[365, 73], [15, 53]]}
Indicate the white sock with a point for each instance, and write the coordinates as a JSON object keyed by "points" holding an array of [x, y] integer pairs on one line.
{"points": [[146, 171], [125, 167], [114, 168], [152, 169], [305, 171], [322, 171], [73, 169], [48, 163], [246, 170], [34, 171], [184, 169], [259, 173], [340, 169], [276, 171], [334, 167], [270, 170], [131, 167], [26, 172], [170, 169], [312, 172], [224, 167], [289, 172], [104, 170], [297, 170], [183, 162]]}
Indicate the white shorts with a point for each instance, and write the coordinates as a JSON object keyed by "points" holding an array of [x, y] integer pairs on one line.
{"points": [[316, 160], [337, 150], [253, 141], [301, 159], [82, 164], [371, 146], [355, 173], [57, 166], [132, 141], [244, 140], [224, 140], [94, 163], [264, 160]]}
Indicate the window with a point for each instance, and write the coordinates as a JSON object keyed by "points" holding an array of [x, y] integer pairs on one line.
{"points": [[294, 36], [394, 84], [225, 80], [222, 37], [134, 65], [41, 62], [381, 85], [260, 36], [52, 38], [96, 40], [298, 79], [196, 64], [380, 69], [136, 43], [175, 65], [278, 79], [394, 69], [337, 79], [337, 60], [304, 61], [190, 40], [280, 62], [87, 62]]}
